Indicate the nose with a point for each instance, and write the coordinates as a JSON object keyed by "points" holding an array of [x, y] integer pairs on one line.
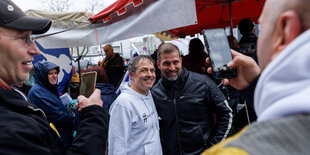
{"points": [[172, 66], [55, 75], [33, 49], [150, 73]]}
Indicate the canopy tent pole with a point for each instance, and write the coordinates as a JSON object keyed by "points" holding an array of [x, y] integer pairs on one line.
{"points": [[79, 66], [231, 20]]}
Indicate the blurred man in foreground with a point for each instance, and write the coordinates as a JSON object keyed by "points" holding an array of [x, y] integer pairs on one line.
{"points": [[282, 92], [24, 128]]}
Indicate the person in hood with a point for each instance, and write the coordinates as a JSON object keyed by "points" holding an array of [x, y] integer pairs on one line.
{"points": [[44, 94], [23, 126], [281, 97], [134, 127]]}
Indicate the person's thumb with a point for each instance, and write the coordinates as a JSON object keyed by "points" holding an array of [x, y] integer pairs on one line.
{"points": [[96, 97], [80, 98], [237, 61], [96, 92]]}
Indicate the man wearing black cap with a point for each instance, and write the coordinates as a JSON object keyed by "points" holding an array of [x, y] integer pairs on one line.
{"points": [[24, 128]]}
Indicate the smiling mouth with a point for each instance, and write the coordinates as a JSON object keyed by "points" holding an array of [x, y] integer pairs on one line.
{"points": [[172, 74], [28, 63], [149, 80]]}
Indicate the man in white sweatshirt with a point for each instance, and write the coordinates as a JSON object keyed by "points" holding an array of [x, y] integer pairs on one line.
{"points": [[134, 126]]}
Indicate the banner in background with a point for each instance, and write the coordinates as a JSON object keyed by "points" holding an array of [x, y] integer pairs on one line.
{"points": [[60, 57]]}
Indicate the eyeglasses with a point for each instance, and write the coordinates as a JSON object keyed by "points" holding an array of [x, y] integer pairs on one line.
{"points": [[28, 39]]}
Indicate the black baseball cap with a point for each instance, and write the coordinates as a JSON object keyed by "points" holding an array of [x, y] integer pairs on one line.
{"points": [[13, 17]]}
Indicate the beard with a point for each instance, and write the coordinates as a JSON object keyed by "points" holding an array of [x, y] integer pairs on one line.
{"points": [[172, 78], [169, 78]]}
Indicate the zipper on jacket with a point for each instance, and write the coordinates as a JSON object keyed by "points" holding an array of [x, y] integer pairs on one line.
{"points": [[30, 107], [202, 136], [176, 115], [39, 110], [177, 124]]}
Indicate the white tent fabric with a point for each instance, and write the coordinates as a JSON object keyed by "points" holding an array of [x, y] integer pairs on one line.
{"points": [[62, 19], [152, 17]]}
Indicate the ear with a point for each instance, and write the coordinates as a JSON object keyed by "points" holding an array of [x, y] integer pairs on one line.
{"points": [[158, 64], [131, 76], [288, 27]]}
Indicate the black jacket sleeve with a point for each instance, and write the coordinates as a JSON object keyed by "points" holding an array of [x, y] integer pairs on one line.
{"points": [[223, 114], [92, 133], [250, 90]]}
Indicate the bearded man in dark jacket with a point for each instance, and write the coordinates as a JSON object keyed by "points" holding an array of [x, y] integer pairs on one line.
{"points": [[186, 102]]}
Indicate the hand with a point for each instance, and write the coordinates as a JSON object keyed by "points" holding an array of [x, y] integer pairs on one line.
{"points": [[94, 99], [247, 70]]}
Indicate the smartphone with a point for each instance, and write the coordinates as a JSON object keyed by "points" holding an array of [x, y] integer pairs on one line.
{"points": [[219, 53], [88, 83]]}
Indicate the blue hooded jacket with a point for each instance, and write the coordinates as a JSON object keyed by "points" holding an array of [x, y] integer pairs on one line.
{"points": [[45, 96]]}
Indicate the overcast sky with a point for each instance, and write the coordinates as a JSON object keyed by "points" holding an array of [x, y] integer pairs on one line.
{"points": [[76, 5]]}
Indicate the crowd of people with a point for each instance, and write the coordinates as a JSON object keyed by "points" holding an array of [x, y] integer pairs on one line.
{"points": [[182, 111]]}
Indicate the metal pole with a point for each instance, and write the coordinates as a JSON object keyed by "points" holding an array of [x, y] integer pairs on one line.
{"points": [[121, 47], [231, 21], [79, 66]]}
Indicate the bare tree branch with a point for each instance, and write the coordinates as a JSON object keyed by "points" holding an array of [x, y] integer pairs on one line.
{"points": [[56, 5], [94, 6]]}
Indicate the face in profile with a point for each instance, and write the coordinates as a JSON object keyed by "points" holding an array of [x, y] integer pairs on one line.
{"points": [[52, 76], [265, 39], [144, 77], [16, 55], [170, 65]]}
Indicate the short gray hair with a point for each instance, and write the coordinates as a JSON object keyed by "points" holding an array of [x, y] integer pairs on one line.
{"points": [[132, 66], [165, 48]]}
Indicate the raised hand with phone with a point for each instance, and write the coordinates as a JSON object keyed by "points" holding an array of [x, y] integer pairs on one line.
{"points": [[219, 52], [247, 70]]}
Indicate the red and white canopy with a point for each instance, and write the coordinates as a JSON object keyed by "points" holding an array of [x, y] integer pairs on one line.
{"points": [[125, 19]]}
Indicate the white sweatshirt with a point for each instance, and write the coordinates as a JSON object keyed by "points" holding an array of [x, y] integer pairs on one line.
{"points": [[283, 88], [134, 126]]}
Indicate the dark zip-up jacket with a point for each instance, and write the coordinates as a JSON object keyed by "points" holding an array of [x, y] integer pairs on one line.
{"points": [[186, 115], [25, 130]]}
